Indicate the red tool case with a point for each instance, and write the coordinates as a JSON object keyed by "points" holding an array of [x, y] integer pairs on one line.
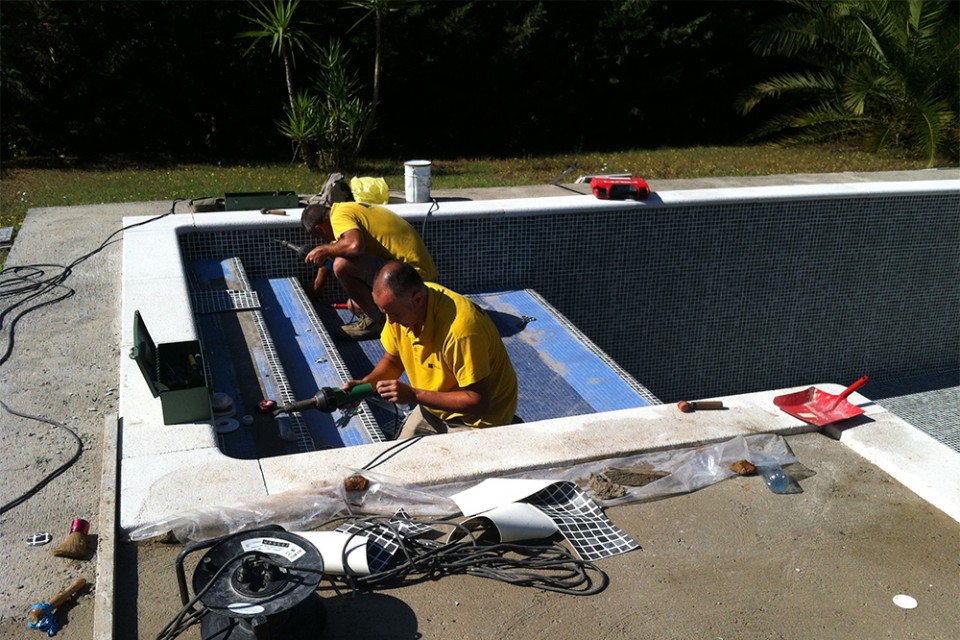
{"points": [[620, 188]]}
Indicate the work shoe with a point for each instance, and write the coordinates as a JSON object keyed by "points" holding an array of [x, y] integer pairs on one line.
{"points": [[365, 328]]}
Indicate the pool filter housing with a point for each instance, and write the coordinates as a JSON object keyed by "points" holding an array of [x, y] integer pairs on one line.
{"points": [[174, 373], [255, 200]]}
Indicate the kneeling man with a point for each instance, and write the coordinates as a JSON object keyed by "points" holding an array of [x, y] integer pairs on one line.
{"points": [[359, 239], [460, 374]]}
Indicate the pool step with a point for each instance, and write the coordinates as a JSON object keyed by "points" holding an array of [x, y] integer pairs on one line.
{"points": [[264, 341], [293, 353], [312, 360]]}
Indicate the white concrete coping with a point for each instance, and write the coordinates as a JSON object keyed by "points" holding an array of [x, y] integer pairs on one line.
{"points": [[518, 207], [157, 486]]}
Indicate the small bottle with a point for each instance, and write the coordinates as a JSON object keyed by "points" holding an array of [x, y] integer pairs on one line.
{"points": [[776, 478]]}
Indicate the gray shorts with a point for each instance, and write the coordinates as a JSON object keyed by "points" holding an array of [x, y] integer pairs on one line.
{"points": [[421, 422]]}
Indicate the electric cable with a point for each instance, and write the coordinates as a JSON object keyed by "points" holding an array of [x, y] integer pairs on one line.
{"points": [[53, 474], [548, 567], [26, 283], [176, 625], [189, 616], [391, 451], [423, 230]]}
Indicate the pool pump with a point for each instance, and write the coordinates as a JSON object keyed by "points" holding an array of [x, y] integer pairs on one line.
{"points": [[256, 584], [329, 399]]}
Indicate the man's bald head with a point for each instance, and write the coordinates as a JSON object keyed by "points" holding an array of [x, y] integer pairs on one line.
{"points": [[400, 293], [400, 278]]}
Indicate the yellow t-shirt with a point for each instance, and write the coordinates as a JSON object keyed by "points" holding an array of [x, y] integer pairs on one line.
{"points": [[459, 345], [385, 234]]}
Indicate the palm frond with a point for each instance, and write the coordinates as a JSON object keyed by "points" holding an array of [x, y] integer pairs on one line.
{"points": [[776, 86], [276, 25]]}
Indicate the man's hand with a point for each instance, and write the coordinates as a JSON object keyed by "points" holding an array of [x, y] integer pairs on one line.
{"points": [[396, 392], [350, 384], [318, 255]]}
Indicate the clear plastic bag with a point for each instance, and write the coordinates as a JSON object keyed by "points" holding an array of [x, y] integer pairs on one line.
{"points": [[363, 491]]}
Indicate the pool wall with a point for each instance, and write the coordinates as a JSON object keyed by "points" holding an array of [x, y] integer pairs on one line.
{"points": [[708, 292]]}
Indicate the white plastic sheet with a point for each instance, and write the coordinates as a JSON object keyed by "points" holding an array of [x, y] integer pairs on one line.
{"points": [[688, 469]]}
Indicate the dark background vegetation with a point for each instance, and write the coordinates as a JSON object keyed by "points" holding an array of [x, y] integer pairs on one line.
{"points": [[170, 78]]}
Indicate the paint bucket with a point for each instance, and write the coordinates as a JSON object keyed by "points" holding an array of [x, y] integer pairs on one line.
{"points": [[416, 180]]}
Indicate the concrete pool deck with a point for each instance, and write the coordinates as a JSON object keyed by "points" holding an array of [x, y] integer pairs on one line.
{"points": [[66, 378]]}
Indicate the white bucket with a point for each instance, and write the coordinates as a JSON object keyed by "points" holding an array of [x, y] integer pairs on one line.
{"points": [[416, 180]]}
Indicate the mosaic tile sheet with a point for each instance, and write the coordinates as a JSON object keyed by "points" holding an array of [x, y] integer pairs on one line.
{"points": [[581, 521]]}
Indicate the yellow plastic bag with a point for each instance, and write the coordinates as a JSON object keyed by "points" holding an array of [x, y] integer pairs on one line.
{"points": [[370, 190]]}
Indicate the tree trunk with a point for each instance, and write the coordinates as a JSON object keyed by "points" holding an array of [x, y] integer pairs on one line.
{"points": [[306, 149], [375, 99]]}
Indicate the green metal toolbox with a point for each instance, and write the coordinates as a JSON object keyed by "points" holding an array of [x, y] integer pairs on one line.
{"points": [[248, 201], [174, 372]]}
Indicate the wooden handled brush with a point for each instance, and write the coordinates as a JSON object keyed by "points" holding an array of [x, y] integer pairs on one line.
{"points": [[40, 611]]}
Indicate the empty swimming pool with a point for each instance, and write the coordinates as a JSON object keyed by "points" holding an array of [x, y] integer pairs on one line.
{"points": [[694, 294]]}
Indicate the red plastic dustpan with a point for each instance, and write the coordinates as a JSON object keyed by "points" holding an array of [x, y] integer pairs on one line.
{"points": [[819, 407]]}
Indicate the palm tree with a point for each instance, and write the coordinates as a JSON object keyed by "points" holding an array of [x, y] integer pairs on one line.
{"points": [[275, 26], [377, 9], [340, 114], [886, 70]]}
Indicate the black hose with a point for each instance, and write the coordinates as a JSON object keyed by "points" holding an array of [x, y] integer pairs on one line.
{"points": [[27, 283]]}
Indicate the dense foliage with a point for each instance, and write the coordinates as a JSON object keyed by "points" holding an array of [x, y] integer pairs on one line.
{"points": [[171, 78], [885, 70], [201, 80]]}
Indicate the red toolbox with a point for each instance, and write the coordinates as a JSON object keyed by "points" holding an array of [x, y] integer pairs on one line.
{"points": [[620, 188]]}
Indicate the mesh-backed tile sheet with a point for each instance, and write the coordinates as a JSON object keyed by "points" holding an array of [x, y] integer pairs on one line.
{"points": [[581, 521], [383, 541], [929, 401], [223, 300]]}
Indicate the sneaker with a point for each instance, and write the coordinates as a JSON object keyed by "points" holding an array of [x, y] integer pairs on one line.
{"points": [[365, 328]]}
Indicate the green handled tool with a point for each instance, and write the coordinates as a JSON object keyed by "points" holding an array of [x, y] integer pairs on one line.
{"points": [[329, 399]]}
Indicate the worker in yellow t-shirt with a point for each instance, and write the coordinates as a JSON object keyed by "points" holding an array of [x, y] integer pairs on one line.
{"points": [[360, 238], [460, 374]]}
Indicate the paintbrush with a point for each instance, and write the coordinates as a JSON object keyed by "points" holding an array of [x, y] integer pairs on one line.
{"points": [[75, 546], [41, 615]]}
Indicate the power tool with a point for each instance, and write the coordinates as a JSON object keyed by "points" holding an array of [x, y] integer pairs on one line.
{"points": [[329, 399], [619, 188], [301, 251]]}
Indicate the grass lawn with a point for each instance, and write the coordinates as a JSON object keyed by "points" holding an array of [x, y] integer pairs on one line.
{"points": [[22, 187]]}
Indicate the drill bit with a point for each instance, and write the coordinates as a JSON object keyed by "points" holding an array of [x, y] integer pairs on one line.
{"points": [[301, 251]]}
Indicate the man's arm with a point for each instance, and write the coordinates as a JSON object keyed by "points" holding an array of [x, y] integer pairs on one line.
{"points": [[319, 281], [389, 368], [349, 245], [473, 399]]}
